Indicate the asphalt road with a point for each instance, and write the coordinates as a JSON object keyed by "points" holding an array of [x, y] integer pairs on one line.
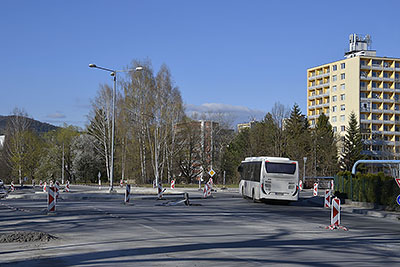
{"points": [[222, 231]]}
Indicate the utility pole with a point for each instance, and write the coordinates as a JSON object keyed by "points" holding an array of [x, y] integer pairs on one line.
{"points": [[62, 166]]}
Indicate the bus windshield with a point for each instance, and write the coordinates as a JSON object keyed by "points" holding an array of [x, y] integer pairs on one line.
{"points": [[286, 168]]}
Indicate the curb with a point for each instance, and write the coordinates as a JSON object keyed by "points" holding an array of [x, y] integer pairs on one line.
{"points": [[318, 201]]}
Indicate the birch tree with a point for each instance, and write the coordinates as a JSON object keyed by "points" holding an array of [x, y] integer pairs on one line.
{"points": [[100, 124]]}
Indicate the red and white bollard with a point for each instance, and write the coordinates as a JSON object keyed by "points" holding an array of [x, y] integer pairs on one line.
{"points": [[51, 199], [12, 187], [211, 182], [57, 189], [300, 185], [207, 190], [332, 185], [67, 187], [45, 187], [173, 184], [40, 183], [315, 192], [335, 216], [127, 193], [121, 183], [160, 191], [327, 198]]}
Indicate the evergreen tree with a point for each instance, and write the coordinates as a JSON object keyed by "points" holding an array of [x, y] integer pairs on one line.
{"points": [[325, 148], [298, 136], [353, 146]]}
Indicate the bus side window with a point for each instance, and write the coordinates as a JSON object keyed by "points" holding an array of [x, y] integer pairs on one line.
{"points": [[240, 168]]}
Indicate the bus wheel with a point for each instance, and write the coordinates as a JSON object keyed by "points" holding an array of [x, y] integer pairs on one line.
{"points": [[253, 197]]}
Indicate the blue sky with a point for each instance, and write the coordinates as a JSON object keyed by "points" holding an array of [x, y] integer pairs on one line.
{"points": [[238, 56]]}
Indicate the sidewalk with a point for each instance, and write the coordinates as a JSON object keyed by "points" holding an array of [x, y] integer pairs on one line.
{"points": [[363, 208]]}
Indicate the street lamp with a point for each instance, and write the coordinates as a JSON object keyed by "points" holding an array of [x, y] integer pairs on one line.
{"points": [[114, 75]]}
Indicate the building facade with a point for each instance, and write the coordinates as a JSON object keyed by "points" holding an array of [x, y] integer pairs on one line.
{"points": [[365, 84]]}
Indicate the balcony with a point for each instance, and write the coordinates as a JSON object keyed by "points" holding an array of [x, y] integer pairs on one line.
{"points": [[388, 90], [388, 122], [311, 117], [376, 67], [387, 67]]}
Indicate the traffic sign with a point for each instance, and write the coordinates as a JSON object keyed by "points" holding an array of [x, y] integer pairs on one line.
{"points": [[211, 172], [398, 199], [397, 181]]}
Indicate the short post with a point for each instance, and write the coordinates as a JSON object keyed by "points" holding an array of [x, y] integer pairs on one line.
{"points": [[51, 199], [127, 193]]}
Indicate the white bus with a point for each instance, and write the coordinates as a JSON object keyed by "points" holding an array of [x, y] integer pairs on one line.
{"points": [[269, 178]]}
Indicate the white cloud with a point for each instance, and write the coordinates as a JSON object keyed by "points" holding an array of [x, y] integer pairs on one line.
{"points": [[236, 114]]}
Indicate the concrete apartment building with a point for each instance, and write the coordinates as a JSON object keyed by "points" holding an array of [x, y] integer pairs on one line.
{"points": [[366, 84]]}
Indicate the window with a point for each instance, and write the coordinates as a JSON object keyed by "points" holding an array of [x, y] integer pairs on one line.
{"points": [[334, 67], [374, 127], [386, 117], [342, 86], [374, 74], [374, 85], [334, 129], [363, 84], [375, 117], [334, 98], [363, 116], [342, 107], [385, 106], [396, 107], [334, 108], [363, 62], [397, 65], [342, 128], [334, 88], [374, 106], [343, 65], [397, 138], [376, 62], [342, 76], [385, 85], [334, 78], [363, 95], [386, 127], [386, 96], [397, 86], [312, 122], [334, 119], [386, 75], [342, 97], [286, 168], [342, 117], [397, 118]]}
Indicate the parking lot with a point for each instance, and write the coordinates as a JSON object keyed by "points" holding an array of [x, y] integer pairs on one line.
{"points": [[98, 229]]}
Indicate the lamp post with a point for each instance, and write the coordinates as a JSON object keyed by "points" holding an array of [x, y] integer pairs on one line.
{"points": [[304, 168], [114, 75]]}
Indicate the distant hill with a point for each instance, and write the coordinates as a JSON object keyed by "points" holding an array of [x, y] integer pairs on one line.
{"points": [[37, 126]]}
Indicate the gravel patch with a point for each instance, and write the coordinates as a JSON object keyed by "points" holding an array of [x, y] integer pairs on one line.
{"points": [[25, 237]]}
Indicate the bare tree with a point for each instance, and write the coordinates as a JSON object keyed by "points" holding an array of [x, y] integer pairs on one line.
{"points": [[16, 140], [100, 124]]}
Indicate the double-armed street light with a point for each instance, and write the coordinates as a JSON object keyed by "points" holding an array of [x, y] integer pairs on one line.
{"points": [[114, 75]]}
